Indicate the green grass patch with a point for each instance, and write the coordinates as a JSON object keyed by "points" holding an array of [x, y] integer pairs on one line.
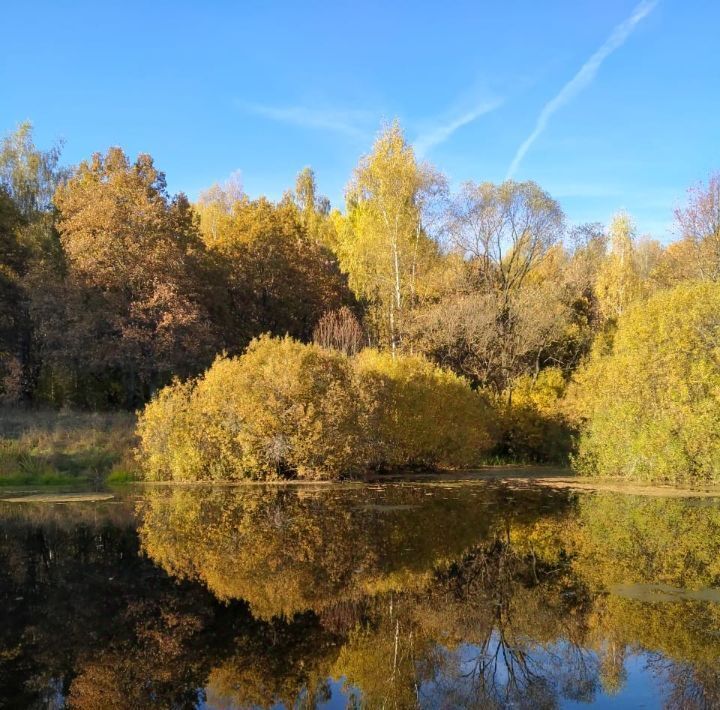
{"points": [[120, 476], [45, 479]]}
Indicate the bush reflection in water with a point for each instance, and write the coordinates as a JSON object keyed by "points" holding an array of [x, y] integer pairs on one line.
{"points": [[396, 595]]}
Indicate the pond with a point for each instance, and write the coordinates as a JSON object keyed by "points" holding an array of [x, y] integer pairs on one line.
{"points": [[396, 595]]}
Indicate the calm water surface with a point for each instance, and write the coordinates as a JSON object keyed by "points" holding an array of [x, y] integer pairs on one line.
{"points": [[389, 596]]}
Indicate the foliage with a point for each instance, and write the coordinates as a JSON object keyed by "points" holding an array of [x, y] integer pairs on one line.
{"points": [[288, 408], [280, 408], [699, 223], [28, 175], [383, 243], [534, 426], [28, 179], [111, 288], [652, 404], [278, 275], [13, 331], [510, 300], [117, 225], [417, 414], [618, 281]]}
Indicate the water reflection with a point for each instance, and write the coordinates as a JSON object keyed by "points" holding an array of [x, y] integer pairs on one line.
{"points": [[386, 596]]}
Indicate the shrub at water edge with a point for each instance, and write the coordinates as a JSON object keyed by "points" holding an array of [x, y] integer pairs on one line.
{"points": [[419, 414], [284, 408], [652, 403], [280, 408]]}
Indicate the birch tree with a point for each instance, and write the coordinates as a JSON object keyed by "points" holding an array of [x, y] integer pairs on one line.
{"points": [[618, 281], [385, 247]]}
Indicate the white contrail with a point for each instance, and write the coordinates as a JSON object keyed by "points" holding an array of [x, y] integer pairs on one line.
{"points": [[440, 133], [583, 77], [351, 123]]}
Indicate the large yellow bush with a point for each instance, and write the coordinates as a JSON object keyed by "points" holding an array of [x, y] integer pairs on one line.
{"points": [[652, 404], [285, 408], [168, 437], [417, 414], [281, 408]]}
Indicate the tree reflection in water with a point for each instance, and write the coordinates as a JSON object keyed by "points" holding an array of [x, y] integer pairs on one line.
{"points": [[392, 596]]}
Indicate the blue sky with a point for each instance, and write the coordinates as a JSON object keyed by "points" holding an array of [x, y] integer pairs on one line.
{"points": [[617, 102]]}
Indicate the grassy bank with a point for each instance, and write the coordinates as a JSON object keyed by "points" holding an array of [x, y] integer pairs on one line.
{"points": [[47, 447]]}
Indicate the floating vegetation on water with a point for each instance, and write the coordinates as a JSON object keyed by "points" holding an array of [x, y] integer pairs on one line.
{"points": [[89, 497]]}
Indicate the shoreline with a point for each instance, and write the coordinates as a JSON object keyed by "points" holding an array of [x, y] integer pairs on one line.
{"points": [[514, 476], [518, 476]]}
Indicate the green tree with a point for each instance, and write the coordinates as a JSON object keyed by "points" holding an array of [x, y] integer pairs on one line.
{"points": [[28, 175]]}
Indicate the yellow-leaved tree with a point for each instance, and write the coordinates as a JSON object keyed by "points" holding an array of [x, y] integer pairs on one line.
{"points": [[279, 277], [383, 242], [618, 280]]}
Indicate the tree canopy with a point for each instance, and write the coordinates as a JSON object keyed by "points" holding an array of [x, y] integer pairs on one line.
{"points": [[111, 286]]}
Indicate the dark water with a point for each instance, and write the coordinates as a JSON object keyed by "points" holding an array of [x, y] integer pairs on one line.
{"points": [[396, 596]]}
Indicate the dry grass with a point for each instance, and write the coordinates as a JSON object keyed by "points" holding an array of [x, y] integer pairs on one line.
{"points": [[49, 447]]}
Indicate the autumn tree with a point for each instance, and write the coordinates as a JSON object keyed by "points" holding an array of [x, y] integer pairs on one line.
{"points": [[698, 255], [383, 245], [284, 408], [314, 208], [618, 281], [13, 323], [279, 277], [31, 253], [28, 175], [495, 319], [505, 231], [136, 302], [650, 404]]}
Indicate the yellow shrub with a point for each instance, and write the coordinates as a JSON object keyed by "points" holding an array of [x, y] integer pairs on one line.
{"points": [[542, 392], [419, 414], [285, 408], [534, 427], [280, 408], [652, 404], [167, 437]]}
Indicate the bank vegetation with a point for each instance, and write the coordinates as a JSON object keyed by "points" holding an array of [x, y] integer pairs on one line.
{"points": [[418, 326]]}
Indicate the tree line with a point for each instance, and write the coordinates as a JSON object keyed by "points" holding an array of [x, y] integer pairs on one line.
{"points": [[111, 286]]}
